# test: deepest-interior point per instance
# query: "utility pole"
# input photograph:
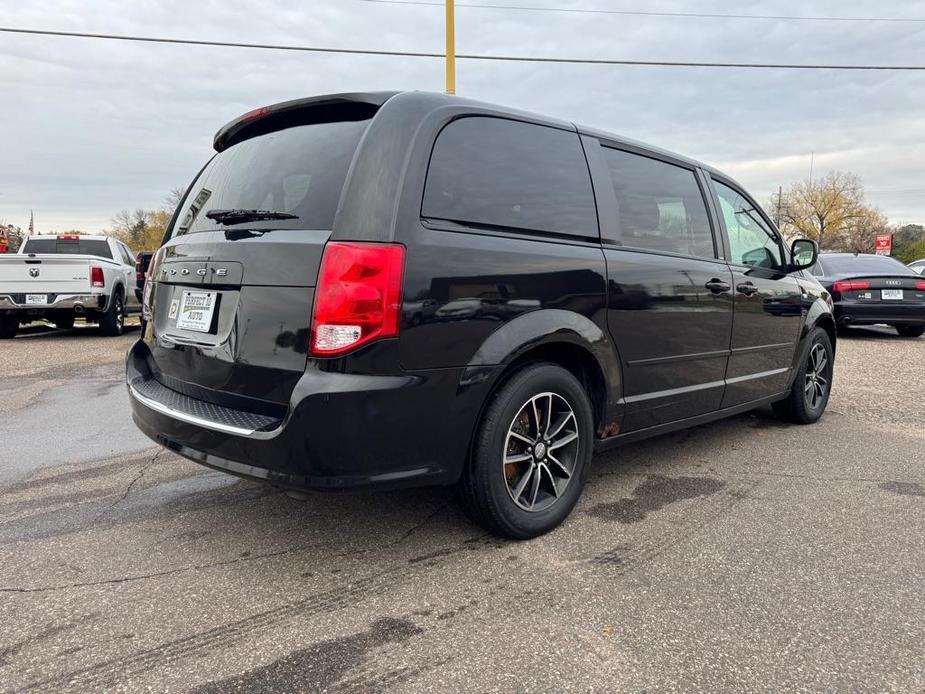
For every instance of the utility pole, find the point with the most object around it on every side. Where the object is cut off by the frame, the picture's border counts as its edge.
(450, 48)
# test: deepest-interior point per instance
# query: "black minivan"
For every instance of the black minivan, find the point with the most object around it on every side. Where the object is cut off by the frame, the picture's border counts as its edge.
(399, 289)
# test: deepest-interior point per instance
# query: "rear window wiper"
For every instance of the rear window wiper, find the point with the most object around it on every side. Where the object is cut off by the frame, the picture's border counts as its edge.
(240, 216)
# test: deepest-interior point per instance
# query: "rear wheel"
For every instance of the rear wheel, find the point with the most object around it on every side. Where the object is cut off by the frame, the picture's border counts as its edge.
(113, 321)
(9, 326)
(531, 454)
(812, 385)
(910, 330)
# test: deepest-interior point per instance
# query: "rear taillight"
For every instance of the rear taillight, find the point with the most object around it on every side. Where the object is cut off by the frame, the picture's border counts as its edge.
(148, 288)
(358, 296)
(96, 277)
(843, 286)
(920, 286)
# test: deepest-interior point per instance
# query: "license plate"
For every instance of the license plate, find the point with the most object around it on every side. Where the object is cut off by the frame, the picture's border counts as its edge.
(36, 298)
(891, 294)
(196, 309)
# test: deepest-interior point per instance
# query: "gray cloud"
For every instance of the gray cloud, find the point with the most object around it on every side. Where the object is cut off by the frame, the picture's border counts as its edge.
(89, 127)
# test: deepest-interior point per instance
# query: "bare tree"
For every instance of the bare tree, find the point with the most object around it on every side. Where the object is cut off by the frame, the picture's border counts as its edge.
(830, 210)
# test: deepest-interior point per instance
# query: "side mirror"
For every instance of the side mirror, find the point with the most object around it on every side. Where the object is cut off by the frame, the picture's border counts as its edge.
(803, 254)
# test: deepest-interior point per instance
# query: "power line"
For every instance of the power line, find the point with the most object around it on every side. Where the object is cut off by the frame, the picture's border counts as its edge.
(651, 13)
(461, 56)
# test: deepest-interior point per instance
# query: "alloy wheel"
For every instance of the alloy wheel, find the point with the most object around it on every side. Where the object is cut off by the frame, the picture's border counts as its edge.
(817, 376)
(540, 451)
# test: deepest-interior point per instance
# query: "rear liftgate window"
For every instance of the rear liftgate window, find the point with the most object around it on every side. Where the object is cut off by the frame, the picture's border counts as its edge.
(505, 174)
(299, 171)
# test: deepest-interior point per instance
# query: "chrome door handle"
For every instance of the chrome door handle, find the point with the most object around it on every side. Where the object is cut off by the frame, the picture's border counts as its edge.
(746, 288)
(717, 286)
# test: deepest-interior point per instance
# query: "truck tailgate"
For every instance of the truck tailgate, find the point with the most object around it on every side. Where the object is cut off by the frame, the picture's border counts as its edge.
(44, 273)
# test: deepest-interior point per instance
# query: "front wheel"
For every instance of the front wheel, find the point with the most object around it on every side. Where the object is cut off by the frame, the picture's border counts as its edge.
(910, 330)
(531, 454)
(812, 384)
(113, 321)
(9, 326)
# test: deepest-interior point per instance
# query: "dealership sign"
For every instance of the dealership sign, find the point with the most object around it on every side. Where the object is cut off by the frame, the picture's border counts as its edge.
(884, 244)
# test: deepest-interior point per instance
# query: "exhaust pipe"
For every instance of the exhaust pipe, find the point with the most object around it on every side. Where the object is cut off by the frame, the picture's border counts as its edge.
(79, 309)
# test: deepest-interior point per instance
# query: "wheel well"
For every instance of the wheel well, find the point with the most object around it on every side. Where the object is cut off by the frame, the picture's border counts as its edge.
(828, 324)
(576, 360)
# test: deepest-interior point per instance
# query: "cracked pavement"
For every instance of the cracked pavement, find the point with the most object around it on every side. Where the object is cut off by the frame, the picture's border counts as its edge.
(744, 555)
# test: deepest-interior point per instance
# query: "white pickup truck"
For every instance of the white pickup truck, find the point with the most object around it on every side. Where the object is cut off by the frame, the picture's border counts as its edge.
(64, 277)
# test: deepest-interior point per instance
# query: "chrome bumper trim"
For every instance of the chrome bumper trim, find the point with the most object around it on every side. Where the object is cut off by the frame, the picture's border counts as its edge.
(88, 301)
(185, 417)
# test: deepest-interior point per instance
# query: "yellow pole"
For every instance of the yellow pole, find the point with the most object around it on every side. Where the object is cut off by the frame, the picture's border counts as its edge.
(450, 48)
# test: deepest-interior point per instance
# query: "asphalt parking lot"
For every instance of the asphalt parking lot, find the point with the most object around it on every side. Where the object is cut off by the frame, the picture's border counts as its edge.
(744, 555)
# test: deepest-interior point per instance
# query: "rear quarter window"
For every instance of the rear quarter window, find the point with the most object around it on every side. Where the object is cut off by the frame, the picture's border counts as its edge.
(506, 174)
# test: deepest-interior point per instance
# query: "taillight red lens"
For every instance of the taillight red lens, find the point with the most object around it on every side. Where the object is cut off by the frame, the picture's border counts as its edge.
(96, 277)
(148, 288)
(920, 286)
(358, 296)
(850, 286)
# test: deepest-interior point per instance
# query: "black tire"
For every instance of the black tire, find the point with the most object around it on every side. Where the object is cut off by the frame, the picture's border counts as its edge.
(113, 321)
(65, 322)
(489, 484)
(9, 326)
(805, 403)
(910, 330)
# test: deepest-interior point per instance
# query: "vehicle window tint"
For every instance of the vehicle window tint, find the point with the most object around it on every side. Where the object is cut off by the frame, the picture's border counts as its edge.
(502, 173)
(849, 264)
(299, 170)
(95, 247)
(660, 206)
(751, 240)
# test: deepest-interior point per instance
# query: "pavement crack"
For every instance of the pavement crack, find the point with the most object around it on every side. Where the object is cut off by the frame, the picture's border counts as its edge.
(417, 526)
(169, 572)
(131, 485)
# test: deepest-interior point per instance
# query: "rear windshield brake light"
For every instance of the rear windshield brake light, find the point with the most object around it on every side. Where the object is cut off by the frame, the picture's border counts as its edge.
(68, 237)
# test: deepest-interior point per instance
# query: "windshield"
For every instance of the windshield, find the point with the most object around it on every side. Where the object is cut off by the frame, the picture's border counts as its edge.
(95, 247)
(862, 264)
(297, 171)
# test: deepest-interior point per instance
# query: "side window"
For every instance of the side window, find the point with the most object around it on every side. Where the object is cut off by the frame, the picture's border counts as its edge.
(127, 255)
(660, 205)
(508, 174)
(751, 240)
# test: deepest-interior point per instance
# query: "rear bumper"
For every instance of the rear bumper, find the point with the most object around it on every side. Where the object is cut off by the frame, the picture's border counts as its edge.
(339, 432)
(848, 313)
(58, 302)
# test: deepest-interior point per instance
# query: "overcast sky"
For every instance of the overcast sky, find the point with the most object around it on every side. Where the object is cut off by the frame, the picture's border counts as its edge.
(88, 127)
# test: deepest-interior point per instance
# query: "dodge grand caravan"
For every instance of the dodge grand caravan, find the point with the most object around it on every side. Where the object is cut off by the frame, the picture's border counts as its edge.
(399, 289)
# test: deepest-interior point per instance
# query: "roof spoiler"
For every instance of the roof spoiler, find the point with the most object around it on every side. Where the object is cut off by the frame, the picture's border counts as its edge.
(317, 109)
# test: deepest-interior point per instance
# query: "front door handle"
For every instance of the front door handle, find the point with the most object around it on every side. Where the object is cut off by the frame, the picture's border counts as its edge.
(717, 286)
(746, 288)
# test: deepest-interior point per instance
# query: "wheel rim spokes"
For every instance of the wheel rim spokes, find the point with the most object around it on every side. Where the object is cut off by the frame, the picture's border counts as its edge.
(817, 376)
(540, 451)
